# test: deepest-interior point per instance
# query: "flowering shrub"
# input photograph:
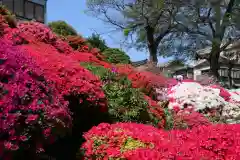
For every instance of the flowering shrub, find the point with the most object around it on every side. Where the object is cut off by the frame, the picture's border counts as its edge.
(146, 81)
(79, 87)
(37, 32)
(80, 44)
(206, 99)
(187, 118)
(156, 112)
(188, 93)
(77, 43)
(131, 141)
(70, 77)
(32, 110)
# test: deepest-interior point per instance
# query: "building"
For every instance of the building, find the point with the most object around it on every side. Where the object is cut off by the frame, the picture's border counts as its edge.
(174, 68)
(139, 63)
(145, 65)
(202, 66)
(27, 9)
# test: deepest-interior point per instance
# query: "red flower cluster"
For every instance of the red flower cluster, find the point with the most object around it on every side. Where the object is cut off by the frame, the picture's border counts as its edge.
(157, 111)
(40, 82)
(188, 118)
(29, 32)
(30, 104)
(132, 141)
(70, 77)
(145, 80)
(223, 93)
(78, 43)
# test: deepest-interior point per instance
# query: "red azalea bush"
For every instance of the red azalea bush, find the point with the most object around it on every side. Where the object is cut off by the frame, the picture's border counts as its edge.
(132, 141)
(188, 118)
(32, 110)
(147, 81)
(33, 31)
(77, 43)
(79, 87)
(89, 57)
(156, 111)
(71, 78)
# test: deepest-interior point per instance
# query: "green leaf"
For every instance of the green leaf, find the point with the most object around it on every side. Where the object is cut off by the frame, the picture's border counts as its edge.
(126, 32)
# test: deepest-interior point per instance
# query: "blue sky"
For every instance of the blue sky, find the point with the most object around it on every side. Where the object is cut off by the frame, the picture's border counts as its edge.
(72, 11)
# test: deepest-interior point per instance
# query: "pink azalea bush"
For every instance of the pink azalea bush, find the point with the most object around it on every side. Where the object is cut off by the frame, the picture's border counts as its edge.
(132, 141)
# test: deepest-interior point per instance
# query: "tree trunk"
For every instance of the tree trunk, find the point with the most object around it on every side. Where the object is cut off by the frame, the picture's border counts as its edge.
(152, 47)
(214, 60)
(230, 66)
(153, 54)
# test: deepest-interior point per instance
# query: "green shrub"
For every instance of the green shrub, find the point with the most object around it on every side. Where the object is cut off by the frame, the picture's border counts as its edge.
(115, 55)
(125, 104)
(96, 41)
(61, 28)
(8, 16)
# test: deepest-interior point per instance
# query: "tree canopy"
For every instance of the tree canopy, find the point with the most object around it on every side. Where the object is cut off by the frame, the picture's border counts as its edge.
(62, 28)
(173, 28)
(145, 22)
(97, 42)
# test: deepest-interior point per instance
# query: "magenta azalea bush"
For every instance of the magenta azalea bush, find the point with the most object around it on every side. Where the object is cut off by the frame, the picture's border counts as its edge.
(32, 110)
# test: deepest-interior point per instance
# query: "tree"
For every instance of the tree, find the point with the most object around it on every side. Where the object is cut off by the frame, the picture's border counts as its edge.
(148, 20)
(62, 28)
(115, 56)
(97, 42)
(211, 23)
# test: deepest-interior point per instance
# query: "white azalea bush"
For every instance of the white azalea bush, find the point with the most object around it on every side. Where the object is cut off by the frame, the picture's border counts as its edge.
(200, 98)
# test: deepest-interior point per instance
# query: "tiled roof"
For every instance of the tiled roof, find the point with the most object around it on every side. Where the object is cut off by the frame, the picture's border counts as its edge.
(139, 63)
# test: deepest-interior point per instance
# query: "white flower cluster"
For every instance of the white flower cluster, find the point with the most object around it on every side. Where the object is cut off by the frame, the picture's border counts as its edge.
(201, 97)
(196, 95)
(231, 112)
(235, 95)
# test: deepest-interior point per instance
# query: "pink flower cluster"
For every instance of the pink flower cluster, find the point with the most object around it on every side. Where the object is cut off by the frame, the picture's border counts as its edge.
(30, 104)
(132, 141)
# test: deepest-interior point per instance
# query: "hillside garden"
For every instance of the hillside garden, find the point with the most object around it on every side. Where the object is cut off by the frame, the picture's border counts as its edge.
(61, 98)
